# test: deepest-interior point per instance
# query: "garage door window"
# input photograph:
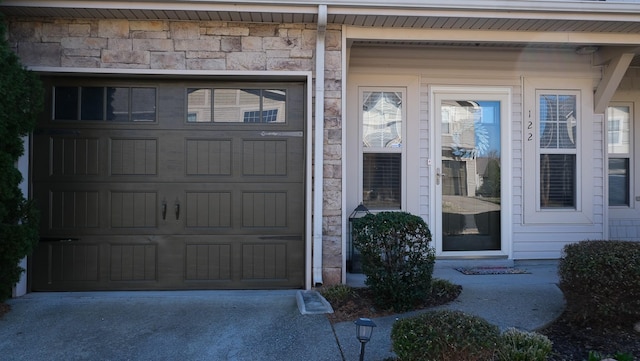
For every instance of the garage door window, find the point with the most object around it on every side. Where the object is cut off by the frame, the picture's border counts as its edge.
(116, 104)
(208, 105)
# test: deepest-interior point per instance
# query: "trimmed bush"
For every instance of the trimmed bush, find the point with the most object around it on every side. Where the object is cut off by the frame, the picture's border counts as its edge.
(396, 258)
(601, 282)
(517, 345)
(444, 335)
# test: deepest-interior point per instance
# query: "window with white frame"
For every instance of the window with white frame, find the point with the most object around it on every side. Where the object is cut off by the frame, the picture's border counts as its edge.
(382, 122)
(619, 124)
(559, 169)
(557, 139)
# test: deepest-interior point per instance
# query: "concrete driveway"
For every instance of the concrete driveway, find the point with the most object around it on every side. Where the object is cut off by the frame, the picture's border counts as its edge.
(194, 325)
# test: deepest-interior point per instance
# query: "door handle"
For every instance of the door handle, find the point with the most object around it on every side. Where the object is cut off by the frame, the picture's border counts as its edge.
(438, 176)
(164, 210)
(177, 209)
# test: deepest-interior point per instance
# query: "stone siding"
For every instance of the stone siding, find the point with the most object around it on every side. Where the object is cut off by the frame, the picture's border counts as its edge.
(203, 45)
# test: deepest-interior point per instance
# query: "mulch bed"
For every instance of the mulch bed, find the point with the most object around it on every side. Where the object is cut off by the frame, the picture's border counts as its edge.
(570, 343)
(362, 305)
(574, 342)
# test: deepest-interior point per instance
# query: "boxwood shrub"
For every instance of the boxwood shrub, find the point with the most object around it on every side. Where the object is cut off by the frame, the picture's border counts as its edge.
(601, 282)
(396, 258)
(444, 335)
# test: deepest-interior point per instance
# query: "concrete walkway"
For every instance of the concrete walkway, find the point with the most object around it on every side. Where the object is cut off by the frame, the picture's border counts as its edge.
(243, 325)
(525, 301)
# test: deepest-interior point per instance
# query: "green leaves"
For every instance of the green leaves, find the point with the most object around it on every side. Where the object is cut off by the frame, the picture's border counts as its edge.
(601, 282)
(21, 99)
(444, 335)
(396, 257)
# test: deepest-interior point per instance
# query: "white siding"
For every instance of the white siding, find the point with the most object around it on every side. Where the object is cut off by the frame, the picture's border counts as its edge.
(624, 223)
(497, 68)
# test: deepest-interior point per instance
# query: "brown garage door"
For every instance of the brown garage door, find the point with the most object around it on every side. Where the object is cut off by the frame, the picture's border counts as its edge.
(170, 185)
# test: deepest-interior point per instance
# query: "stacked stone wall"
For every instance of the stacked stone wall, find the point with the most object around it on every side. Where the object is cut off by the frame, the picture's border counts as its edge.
(205, 46)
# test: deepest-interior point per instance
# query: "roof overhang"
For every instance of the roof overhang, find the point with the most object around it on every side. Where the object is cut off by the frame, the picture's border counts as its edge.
(612, 27)
(532, 21)
(592, 16)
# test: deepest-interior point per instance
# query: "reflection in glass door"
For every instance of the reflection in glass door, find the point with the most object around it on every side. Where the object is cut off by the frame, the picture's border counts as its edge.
(469, 175)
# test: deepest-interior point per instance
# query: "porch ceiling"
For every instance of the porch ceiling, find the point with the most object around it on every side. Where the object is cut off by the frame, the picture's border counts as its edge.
(489, 45)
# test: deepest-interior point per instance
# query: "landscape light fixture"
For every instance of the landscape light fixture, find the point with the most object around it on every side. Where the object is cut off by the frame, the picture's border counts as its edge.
(353, 256)
(364, 328)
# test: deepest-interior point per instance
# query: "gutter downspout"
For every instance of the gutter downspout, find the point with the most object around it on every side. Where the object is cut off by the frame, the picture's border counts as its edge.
(318, 159)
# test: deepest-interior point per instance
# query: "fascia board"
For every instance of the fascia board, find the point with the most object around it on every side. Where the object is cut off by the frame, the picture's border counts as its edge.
(551, 37)
(577, 10)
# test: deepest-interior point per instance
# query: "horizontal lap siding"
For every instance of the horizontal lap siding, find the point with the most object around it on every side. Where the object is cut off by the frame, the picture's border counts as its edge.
(497, 68)
(624, 223)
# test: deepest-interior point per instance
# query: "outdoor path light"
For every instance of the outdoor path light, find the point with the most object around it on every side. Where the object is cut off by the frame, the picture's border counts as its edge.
(353, 256)
(364, 328)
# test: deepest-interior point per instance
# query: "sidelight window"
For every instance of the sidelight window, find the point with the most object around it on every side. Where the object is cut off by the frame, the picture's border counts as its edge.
(558, 128)
(382, 123)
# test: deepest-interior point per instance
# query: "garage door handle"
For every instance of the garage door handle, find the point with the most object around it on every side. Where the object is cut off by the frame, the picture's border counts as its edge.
(58, 239)
(164, 210)
(177, 211)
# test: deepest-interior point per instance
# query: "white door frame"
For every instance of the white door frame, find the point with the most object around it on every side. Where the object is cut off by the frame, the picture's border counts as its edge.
(504, 95)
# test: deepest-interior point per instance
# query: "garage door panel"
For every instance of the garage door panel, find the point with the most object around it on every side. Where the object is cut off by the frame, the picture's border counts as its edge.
(133, 262)
(74, 156)
(73, 209)
(208, 210)
(264, 209)
(264, 157)
(264, 261)
(134, 209)
(67, 262)
(134, 156)
(208, 262)
(208, 157)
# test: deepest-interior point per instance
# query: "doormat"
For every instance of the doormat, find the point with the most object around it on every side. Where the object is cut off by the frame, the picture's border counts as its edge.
(491, 270)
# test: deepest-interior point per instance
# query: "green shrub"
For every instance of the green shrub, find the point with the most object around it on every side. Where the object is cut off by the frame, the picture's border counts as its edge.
(21, 98)
(442, 289)
(444, 335)
(601, 282)
(516, 345)
(396, 258)
(337, 293)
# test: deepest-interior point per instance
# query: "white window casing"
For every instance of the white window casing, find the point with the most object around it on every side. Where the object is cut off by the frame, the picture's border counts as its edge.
(578, 143)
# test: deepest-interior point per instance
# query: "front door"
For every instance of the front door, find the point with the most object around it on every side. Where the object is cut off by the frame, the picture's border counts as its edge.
(468, 177)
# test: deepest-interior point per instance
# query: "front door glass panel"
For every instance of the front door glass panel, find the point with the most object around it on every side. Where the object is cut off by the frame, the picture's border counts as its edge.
(470, 175)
